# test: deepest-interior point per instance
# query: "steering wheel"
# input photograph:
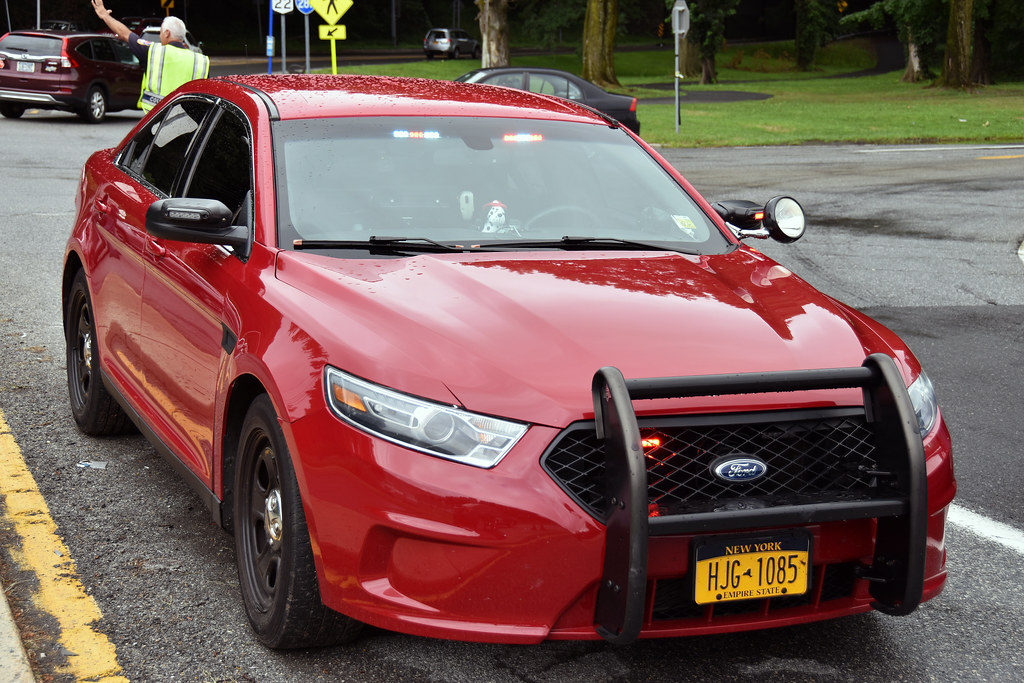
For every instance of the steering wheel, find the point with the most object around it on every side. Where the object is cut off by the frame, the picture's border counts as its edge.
(561, 208)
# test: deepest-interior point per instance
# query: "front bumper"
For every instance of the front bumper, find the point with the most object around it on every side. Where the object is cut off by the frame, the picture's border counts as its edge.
(415, 544)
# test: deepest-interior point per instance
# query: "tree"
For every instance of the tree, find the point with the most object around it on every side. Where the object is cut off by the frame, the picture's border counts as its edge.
(956, 66)
(707, 31)
(815, 23)
(493, 19)
(599, 27)
(919, 25)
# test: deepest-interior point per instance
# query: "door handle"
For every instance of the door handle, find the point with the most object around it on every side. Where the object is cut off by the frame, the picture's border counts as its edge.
(103, 205)
(156, 249)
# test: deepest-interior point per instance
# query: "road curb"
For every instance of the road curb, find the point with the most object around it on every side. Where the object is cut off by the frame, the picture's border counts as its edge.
(16, 668)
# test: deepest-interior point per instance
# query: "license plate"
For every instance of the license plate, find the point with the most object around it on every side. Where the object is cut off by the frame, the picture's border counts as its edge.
(728, 568)
(27, 67)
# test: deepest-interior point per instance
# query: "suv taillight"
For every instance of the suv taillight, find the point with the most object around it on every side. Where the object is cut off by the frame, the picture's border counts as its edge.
(65, 58)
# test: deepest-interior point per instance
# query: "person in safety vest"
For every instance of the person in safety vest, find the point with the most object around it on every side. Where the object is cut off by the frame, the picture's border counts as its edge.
(169, 63)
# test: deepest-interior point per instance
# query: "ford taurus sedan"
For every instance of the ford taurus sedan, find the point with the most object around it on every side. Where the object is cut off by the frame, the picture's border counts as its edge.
(543, 392)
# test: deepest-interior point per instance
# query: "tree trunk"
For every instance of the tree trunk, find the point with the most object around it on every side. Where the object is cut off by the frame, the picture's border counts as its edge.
(599, 28)
(493, 20)
(912, 74)
(956, 67)
(708, 76)
(689, 59)
(981, 67)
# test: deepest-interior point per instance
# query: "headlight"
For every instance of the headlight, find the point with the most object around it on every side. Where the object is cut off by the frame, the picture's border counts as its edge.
(922, 394)
(433, 428)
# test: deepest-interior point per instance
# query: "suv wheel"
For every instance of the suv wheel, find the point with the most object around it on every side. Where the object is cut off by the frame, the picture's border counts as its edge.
(12, 111)
(95, 105)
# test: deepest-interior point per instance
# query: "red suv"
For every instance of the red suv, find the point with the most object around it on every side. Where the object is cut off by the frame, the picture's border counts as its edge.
(89, 74)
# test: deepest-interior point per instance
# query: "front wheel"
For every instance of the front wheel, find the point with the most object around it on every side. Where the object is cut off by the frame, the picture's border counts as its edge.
(275, 560)
(95, 105)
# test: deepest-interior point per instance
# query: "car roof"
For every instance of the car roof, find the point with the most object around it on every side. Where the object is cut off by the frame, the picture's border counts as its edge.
(303, 96)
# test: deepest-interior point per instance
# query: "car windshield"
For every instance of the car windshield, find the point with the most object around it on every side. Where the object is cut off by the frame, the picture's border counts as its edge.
(484, 181)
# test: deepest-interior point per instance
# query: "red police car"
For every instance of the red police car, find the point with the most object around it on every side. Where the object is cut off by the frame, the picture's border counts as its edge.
(475, 363)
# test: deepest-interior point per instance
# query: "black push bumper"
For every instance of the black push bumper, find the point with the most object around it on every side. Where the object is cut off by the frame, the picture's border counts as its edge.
(897, 571)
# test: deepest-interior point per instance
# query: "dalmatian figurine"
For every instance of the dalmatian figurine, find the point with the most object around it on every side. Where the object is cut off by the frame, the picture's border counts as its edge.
(495, 217)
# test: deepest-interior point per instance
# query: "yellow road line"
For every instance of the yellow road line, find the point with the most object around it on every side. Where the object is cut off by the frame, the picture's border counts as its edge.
(60, 593)
(1006, 156)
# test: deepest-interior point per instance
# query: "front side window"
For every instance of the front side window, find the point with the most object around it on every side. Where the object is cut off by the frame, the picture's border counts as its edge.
(223, 170)
(124, 53)
(477, 180)
(157, 152)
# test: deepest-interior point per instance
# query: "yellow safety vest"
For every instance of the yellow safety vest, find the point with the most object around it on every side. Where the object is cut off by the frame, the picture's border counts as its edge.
(168, 67)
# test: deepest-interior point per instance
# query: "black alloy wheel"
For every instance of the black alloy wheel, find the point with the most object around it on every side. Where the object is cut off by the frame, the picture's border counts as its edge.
(94, 409)
(276, 569)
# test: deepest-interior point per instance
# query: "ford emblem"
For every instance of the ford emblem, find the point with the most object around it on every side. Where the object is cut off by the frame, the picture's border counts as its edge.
(739, 468)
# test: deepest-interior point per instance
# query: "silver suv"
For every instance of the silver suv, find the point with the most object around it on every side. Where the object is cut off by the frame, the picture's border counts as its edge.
(450, 42)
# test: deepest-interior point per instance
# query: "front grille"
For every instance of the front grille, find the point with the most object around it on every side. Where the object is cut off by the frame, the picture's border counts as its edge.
(818, 456)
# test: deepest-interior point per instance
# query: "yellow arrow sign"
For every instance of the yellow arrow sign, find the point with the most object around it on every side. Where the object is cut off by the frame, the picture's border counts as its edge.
(331, 10)
(328, 32)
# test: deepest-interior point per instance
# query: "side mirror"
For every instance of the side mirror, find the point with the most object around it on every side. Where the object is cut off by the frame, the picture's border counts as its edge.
(202, 221)
(782, 218)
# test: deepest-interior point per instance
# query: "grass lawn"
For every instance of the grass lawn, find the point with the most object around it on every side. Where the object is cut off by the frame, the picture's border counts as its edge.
(824, 105)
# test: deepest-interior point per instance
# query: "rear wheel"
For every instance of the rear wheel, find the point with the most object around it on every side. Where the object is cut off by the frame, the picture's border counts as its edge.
(95, 105)
(94, 409)
(272, 548)
(12, 111)
(455, 53)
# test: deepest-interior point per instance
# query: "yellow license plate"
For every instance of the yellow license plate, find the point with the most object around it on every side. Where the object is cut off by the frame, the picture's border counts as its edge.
(730, 568)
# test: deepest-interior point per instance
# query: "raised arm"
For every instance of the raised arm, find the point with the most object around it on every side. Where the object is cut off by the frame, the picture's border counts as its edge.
(113, 24)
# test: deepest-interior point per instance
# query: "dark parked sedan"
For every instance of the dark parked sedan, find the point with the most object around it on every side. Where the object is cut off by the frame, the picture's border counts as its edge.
(562, 84)
(89, 74)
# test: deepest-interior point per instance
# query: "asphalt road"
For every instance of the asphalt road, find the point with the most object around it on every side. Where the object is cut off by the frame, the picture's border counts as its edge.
(926, 239)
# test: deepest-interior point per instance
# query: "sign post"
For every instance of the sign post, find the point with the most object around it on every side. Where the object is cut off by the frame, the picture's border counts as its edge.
(680, 26)
(283, 7)
(306, 9)
(331, 11)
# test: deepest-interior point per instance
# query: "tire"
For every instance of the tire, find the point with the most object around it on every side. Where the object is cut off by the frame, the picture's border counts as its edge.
(272, 548)
(95, 105)
(455, 54)
(94, 409)
(12, 111)
(430, 55)
(477, 52)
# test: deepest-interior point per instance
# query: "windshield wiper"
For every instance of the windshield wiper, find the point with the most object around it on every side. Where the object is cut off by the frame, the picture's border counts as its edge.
(569, 241)
(379, 242)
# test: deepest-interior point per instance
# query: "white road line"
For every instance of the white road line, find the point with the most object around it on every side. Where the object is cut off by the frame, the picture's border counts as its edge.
(1020, 251)
(989, 529)
(943, 148)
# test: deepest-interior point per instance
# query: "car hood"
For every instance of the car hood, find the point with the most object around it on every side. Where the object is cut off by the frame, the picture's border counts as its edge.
(521, 335)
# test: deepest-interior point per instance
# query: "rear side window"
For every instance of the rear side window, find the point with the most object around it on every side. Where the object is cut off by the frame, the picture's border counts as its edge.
(102, 50)
(549, 84)
(157, 152)
(31, 46)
